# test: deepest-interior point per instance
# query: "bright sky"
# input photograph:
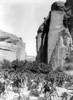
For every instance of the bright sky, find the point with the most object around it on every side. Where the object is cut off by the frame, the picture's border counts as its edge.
(23, 18)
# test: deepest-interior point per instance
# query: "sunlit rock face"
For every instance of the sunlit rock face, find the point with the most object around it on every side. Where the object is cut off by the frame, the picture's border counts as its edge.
(59, 37)
(11, 47)
(54, 41)
(62, 49)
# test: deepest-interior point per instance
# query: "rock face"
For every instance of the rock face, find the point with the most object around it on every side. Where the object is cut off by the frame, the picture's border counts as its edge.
(54, 36)
(11, 47)
(69, 4)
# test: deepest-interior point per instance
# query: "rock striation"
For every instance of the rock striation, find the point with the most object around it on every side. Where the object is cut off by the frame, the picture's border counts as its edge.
(11, 47)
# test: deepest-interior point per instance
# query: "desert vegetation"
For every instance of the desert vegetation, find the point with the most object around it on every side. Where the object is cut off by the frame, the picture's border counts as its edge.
(21, 74)
(18, 70)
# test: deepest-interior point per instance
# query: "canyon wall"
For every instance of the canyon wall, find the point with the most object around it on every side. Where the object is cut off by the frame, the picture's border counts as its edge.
(54, 38)
(11, 47)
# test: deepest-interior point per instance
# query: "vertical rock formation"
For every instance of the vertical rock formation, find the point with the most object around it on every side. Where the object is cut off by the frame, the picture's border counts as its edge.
(41, 40)
(56, 26)
(55, 33)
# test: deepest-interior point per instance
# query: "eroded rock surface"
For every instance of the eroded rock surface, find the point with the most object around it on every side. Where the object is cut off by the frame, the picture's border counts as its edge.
(11, 47)
(54, 41)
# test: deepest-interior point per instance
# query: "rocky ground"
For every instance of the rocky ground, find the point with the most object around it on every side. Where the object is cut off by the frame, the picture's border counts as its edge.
(16, 83)
(33, 87)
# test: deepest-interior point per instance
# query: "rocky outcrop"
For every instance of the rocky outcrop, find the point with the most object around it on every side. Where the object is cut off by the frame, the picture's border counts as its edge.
(11, 47)
(54, 36)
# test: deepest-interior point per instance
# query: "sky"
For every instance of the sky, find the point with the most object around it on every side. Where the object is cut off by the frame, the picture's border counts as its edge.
(23, 18)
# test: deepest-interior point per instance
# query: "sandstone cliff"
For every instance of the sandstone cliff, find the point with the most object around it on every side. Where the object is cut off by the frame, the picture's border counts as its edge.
(11, 47)
(54, 40)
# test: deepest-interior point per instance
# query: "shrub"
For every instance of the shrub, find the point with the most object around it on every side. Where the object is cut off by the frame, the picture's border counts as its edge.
(2, 87)
(50, 77)
(59, 78)
(17, 82)
(68, 68)
(35, 68)
(17, 69)
(64, 95)
(44, 68)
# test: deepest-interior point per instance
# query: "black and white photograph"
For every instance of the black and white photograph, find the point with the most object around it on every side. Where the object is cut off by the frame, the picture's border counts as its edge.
(36, 49)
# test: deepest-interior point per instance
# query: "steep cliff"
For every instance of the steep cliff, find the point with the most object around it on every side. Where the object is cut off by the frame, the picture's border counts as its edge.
(54, 36)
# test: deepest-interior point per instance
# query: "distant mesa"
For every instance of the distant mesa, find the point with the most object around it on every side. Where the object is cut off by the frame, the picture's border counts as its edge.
(31, 58)
(11, 47)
